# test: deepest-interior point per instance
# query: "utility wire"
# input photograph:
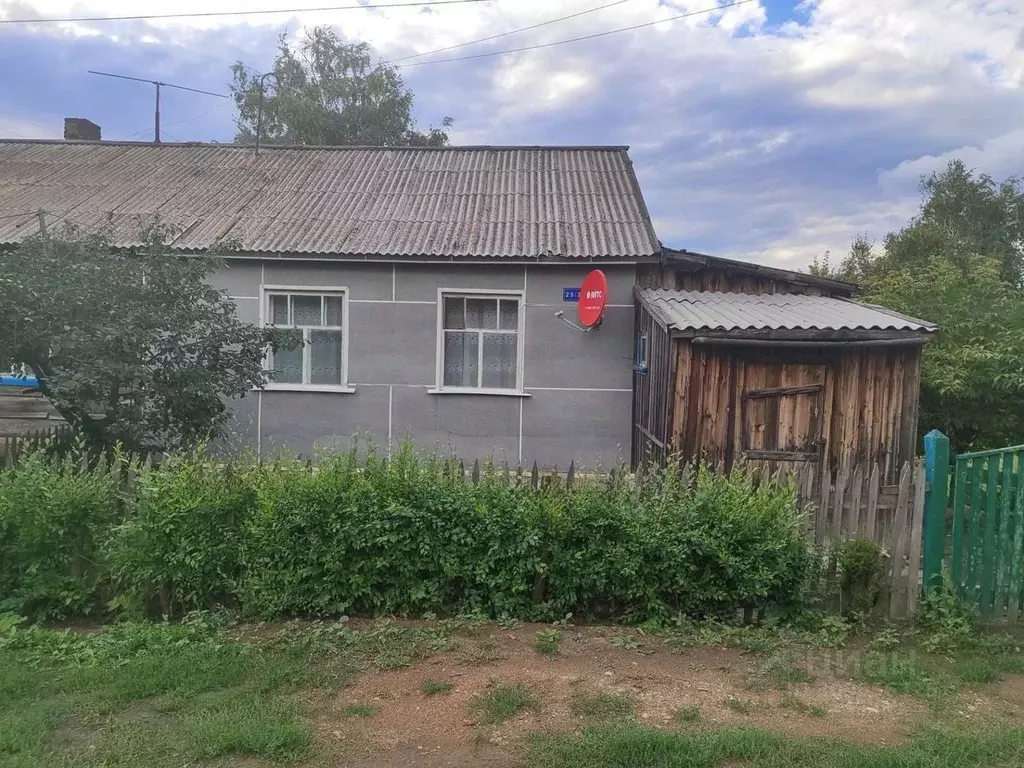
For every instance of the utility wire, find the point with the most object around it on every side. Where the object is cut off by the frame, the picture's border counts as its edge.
(510, 32)
(208, 14)
(575, 39)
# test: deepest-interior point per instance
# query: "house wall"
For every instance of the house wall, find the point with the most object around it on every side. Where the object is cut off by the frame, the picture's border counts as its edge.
(578, 385)
(866, 410)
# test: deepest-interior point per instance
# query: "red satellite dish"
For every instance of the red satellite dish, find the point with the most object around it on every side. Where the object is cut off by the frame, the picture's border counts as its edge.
(593, 297)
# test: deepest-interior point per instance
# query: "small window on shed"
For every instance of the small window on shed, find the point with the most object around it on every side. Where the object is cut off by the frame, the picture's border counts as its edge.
(640, 357)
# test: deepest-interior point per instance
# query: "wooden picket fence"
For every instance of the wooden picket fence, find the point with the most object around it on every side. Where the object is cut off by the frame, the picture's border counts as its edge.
(984, 541)
(856, 503)
(15, 447)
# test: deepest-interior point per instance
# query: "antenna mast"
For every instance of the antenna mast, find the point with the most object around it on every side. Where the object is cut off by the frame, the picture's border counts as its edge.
(158, 84)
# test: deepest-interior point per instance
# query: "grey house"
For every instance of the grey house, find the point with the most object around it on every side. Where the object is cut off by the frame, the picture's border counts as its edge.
(425, 282)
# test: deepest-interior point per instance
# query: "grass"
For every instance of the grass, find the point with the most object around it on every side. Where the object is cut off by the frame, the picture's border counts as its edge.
(793, 702)
(741, 706)
(620, 746)
(359, 710)
(167, 710)
(686, 715)
(501, 702)
(603, 706)
(778, 673)
(902, 672)
(431, 687)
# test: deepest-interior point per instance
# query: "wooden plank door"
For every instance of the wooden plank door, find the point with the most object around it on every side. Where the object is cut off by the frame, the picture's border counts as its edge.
(783, 412)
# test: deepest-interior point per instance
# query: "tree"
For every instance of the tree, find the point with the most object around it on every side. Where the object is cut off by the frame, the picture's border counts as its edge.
(960, 264)
(329, 92)
(132, 346)
(855, 268)
(972, 378)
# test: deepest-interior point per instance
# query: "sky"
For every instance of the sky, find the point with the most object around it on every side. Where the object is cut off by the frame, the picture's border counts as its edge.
(770, 131)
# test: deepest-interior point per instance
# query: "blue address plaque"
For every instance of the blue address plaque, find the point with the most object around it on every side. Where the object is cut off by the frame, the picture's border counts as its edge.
(570, 294)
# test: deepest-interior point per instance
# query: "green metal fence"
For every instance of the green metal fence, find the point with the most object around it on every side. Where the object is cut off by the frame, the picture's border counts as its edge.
(985, 546)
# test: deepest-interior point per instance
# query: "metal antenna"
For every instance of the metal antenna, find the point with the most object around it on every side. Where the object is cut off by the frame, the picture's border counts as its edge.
(259, 109)
(158, 84)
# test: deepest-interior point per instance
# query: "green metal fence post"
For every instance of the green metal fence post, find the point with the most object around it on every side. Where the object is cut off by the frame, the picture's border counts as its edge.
(936, 464)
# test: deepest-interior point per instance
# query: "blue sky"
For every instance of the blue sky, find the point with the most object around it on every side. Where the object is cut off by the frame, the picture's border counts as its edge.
(771, 131)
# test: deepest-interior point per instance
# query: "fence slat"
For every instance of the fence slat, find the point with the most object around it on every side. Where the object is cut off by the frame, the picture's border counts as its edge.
(974, 544)
(959, 495)
(1017, 557)
(871, 519)
(898, 548)
(916, 531)
(1004, 540)
(990, 534)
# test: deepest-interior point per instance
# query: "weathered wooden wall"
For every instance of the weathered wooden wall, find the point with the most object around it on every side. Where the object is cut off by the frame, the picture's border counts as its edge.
(651, 403)
(722, 280)
(851, 405)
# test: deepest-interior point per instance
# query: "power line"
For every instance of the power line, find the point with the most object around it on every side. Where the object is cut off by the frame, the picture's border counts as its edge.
(510, 32)
(208, 14)
(158, 83)
(576, 39)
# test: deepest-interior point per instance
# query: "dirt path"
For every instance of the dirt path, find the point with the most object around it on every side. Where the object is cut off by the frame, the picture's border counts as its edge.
(409, 728)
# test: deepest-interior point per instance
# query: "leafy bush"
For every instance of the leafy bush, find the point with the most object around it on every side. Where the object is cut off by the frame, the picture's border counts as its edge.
(399, 536)
(180, 550)
(861, 574)
(54, 518)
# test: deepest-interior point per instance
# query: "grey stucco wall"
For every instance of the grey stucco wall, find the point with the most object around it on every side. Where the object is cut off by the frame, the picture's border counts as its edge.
(577, 384)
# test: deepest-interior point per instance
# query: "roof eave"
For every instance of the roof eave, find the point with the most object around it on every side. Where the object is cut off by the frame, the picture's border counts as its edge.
(698, 260)
(822, 335)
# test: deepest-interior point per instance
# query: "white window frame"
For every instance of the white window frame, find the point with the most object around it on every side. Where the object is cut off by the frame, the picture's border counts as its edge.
(439, 387)
(266, 291)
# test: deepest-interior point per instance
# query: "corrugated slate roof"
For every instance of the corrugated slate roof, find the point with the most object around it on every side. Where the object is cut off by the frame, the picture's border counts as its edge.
(700, 310)
(571, 202)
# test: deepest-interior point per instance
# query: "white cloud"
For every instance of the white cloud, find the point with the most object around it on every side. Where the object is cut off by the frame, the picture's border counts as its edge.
(750, 138)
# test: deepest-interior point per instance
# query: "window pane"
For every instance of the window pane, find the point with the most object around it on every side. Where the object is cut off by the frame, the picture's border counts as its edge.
(279, 310)
(333, 306)
(461, 360)
(454, 312)
(306, 310)
(509, 320)
(288, 363)
(500, 352)
(482, 313)
(325, 349)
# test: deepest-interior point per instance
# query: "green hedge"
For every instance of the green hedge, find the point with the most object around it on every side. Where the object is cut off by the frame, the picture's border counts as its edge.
(403, 536)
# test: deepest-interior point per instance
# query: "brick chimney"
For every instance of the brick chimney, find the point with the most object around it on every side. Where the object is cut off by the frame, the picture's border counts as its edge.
(81, 129)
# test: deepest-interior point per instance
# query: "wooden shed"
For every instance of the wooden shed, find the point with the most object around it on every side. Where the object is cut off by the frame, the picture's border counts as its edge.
(737, 361)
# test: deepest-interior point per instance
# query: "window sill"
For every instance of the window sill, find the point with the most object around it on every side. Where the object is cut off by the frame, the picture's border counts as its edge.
(336, 389)
(477, 391)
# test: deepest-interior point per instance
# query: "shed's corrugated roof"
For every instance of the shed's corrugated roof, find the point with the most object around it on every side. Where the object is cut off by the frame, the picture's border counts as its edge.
(572, 202)
(701, 310)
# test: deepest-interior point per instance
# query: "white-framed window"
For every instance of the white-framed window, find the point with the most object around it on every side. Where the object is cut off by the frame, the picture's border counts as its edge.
(480, 342)
(318, 319)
